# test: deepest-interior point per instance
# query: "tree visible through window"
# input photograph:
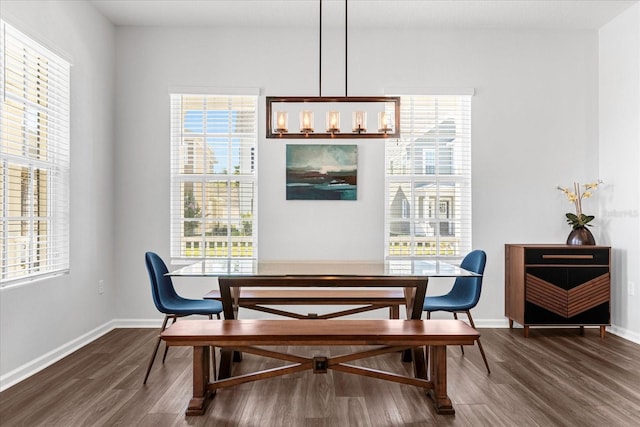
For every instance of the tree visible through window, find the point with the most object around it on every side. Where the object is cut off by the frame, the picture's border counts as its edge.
(428, 179)
(34, 157)
(213, 177)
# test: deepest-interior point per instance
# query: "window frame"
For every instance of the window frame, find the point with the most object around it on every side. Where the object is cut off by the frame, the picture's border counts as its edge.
(424, 171)
(35, 139)
(237, 179)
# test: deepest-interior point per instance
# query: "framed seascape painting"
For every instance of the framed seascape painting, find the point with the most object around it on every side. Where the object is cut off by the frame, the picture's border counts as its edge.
(322, 172)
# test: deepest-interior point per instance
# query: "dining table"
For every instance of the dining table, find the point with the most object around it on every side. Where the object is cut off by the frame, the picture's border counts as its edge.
(409, 275)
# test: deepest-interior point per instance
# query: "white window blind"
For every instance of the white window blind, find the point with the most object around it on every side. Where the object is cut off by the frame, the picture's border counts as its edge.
(428, 179)
(34, 151)
(213, 178)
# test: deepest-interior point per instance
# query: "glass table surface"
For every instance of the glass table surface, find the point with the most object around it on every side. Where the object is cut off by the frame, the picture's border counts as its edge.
(392, 268)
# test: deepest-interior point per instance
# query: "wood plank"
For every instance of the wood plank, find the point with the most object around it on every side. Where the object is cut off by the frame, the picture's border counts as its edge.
(250, 296)
(228, 333)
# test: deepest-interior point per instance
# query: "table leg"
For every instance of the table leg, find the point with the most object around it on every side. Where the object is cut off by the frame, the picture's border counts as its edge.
(414, 302)
(201, 396)
(229, 296)
(226, 298)
(394, 312)
(438, 376)
(226, 360)
(414, 299)
(419, 363)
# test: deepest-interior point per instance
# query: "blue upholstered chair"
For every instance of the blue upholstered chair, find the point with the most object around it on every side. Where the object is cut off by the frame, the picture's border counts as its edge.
(167, 301)
(464, 295)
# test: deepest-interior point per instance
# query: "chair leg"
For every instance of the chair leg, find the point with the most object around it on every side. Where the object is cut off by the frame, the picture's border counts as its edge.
(155, 351)
(166, 347)
(479, 343)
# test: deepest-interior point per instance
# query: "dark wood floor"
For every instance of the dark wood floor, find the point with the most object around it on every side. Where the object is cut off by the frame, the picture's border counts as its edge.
(554, 378)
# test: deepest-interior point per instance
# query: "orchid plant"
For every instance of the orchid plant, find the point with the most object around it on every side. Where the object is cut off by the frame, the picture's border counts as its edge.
(579, 219)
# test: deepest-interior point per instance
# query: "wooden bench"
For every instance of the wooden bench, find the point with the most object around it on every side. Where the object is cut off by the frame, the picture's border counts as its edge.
(386, 335)
(367, 299)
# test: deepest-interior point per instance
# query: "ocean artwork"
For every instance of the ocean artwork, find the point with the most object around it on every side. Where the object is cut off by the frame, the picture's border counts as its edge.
(322, 172)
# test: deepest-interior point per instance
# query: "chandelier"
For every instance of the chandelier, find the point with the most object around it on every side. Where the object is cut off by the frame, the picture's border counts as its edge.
(382, 111)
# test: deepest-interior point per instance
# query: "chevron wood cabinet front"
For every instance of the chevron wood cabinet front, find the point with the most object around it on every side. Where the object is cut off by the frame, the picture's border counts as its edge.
(558, 285)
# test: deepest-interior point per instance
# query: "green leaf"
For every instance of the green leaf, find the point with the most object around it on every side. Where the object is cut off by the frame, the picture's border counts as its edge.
(585, 219)
(580, 221)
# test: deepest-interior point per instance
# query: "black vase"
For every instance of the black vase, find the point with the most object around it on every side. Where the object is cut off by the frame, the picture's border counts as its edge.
(580, 236)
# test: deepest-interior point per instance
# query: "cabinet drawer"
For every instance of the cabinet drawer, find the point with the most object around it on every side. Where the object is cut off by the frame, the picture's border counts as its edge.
(567, 256)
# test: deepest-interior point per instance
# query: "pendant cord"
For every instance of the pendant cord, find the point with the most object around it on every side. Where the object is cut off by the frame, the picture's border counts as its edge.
(346, 56)
(345, 49)
(320, 54)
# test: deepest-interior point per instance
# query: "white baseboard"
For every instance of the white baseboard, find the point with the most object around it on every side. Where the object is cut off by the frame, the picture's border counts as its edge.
(36, 365)
(487, 323)
(504, 323)
(137, 323)
(30, 368)
(624, 333)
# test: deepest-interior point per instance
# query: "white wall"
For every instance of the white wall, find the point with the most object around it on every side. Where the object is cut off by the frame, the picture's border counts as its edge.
(619, 119)
(535, 118)
(43, 320)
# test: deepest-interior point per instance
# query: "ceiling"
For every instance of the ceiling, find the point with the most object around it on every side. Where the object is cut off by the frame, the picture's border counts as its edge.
(437, 14)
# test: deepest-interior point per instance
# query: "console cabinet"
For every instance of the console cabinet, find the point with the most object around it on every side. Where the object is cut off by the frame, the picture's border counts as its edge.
(558, 285)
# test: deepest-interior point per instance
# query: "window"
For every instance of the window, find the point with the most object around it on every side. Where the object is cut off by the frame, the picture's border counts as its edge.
(213, 177)
(428, 179)
(34, 152)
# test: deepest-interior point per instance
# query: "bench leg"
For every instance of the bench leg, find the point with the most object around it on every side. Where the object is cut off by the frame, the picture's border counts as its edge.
(438, 376)
(201, 396)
